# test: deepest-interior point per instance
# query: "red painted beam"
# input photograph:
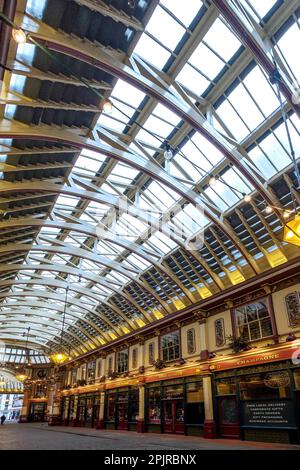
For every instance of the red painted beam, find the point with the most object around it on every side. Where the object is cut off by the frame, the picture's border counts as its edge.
(9, 10)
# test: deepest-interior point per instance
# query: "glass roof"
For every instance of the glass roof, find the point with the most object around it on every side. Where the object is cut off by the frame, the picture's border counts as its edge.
(137, 271)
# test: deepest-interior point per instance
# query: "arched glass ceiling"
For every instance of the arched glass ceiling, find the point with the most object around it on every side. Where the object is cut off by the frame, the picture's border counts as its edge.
(122, 283)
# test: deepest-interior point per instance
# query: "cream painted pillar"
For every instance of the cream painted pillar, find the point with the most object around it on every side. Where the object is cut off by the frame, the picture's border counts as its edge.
(203, 340)
(100, 421)
(209, 423)
(141, 354)
(26, 404)
(141, 417)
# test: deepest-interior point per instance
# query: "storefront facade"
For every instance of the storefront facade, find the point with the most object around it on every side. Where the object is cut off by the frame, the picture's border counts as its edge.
(175, 406)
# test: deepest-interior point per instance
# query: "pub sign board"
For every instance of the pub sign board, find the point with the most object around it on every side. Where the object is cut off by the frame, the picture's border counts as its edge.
(273, 414)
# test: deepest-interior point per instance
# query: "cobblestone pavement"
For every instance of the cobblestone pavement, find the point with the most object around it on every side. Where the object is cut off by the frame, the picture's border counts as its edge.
(39, 436)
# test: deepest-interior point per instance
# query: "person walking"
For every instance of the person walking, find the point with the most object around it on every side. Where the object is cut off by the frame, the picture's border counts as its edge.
(3, 418)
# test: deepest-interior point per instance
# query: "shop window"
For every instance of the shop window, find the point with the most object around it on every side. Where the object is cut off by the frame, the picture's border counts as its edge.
(174, 391)
(253, 321)
(194, 413)
(170, 346)
(133, 408)
(292, 302)
(220, 332)
(111, 407)
(134, 358)
(267, 385)
(151, 353)
(91, 367)
(226, 386)
(191, 343)
(297, 379)
(154, 405)
(122, 361)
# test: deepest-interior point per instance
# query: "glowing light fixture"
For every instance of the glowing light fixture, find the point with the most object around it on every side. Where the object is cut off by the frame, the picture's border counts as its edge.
(269, 209)
(168, 154)
(21, 376)
(108, 107)
(60, 357)
(291, 231)
(212, 181)
(19, 36)
(247, 198)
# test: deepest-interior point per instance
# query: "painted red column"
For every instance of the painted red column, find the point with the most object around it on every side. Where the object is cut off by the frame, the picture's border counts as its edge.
(100, 422)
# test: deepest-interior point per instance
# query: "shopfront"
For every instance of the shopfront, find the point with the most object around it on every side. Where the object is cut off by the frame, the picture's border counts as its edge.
(122, 408)
(37, 412)
(81, 410)
(175, 406)
(259, 403)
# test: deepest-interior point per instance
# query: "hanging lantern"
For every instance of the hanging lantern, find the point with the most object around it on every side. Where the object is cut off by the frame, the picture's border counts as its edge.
(22, 375)
(59, 358)
(291, 231)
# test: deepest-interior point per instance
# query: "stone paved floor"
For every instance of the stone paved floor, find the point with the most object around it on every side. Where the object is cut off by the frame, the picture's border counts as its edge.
(39, 436)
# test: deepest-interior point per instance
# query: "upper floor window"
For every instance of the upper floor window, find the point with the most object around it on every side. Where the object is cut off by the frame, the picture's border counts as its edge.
(191, 343)
(253, 321)
(99, 368)
(91, 368)
(151, 352)
(73, 376)
(170, 348)
(134, 358)
(220, 332)
(122, 361)
(292, 302)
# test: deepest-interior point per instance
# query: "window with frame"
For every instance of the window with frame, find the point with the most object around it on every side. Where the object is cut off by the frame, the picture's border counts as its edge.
(134, 358)
(292, 302)
(170, 346)
(253, 321)
(122, 361)
(151, 353)
(191, 341)
(99, 368)
(220, 332)
(91, 367)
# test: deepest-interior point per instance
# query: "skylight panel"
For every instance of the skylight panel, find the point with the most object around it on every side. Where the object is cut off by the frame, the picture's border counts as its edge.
(184, 11)
(222, 40)
(246, 107)
(275, 152)
(111, 122)
(163, 27)
(151, 51)
(128, 93)
(206, 61)
(161, 242)
(165, 114)
(232, 120)
(67, 200)
(193, 80)
(214, 195)
(213, 155)
(158, 127)
(287, 46)
(261, 7)
(162, 197)
(261, 90)
(262, 162)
